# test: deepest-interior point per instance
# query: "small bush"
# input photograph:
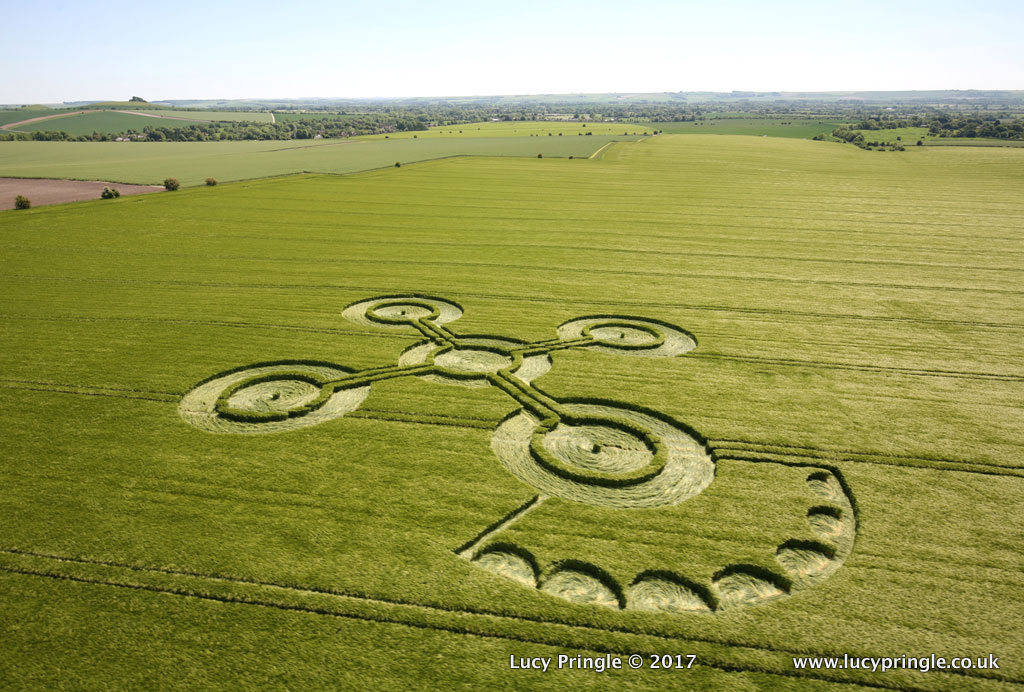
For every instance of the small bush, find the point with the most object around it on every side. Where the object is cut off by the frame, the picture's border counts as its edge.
(171, 184)
(398, 164)
(110, 193)
(540, 156)
(21, 202)
(211, 181)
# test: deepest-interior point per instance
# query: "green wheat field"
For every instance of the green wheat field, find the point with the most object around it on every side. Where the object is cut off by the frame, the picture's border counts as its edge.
(847, 377)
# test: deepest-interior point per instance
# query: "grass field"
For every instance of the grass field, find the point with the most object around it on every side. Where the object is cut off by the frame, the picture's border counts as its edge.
(193, 162)
(232, 116)
(526, 128)
(909, 136)
(800, 128)
(104, 122)
(857, 380)
(114, 122)
(19, 114)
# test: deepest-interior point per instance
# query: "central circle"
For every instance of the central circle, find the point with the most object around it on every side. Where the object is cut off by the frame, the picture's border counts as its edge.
(591, 453)
(598, 448)
(623, 334)
(402, 311)
(279, 395)
(472, 360)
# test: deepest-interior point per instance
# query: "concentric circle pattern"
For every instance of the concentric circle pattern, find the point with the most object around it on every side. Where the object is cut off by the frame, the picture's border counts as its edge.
(688, 467)
(597, 448)
(198, 407)
(399, 311)
(629, 336)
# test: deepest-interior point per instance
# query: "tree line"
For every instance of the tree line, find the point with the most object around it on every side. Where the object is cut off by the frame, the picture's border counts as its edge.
(995, 125)
(329, 126)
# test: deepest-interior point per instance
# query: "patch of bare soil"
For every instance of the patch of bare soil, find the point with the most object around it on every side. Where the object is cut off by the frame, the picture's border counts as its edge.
(42, 191)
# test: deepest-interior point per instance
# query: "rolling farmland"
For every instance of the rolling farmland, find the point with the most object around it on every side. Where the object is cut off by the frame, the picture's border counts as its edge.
(800, 128)
(17, 115)
(909, 136)
(84, 121)
(525, 128)
(97, 121)
(786, 375)
(192, 162)
(208, 115)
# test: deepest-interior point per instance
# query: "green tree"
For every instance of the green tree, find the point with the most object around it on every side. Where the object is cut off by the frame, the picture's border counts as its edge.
(21, 202)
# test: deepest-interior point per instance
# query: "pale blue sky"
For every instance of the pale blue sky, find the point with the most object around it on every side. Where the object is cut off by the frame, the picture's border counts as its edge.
(52, 51)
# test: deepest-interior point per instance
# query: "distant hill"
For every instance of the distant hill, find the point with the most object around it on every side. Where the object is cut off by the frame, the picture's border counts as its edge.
(937, 97)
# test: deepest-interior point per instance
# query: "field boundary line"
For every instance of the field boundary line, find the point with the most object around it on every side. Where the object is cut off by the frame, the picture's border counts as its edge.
(134, 390)
(384, 243)
(918, 372)
(430, 616)
(735, 450)
(525, 298)
(594, 155)
(292, 174)
(380, 619)
(831, 230)
(340, 331)
(80, 391)
(164, 398)
(774, 458)
(11, 126)
(829, 452)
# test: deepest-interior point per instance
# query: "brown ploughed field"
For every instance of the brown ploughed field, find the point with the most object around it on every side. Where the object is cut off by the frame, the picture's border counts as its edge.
(42, 191)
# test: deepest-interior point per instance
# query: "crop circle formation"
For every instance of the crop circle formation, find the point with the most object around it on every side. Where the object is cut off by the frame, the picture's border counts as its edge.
(280, 393)
(642, 337)
(475, 358)
(601, 453)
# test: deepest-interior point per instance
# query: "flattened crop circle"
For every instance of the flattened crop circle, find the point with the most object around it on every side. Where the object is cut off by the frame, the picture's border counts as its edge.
(275, 396)
(473, 359)
(400, 311)
(274, 392)
(597, 448)
(599, 451)
(629, 335)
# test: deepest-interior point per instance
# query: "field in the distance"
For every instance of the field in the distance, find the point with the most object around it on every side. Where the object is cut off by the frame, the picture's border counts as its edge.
(193, 162)
(525, 128)
(858, 328)
(104, 122)
(110, 121)
(909, 136)
(800, 128)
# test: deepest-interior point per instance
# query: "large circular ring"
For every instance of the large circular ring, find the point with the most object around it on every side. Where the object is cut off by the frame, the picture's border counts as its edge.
(268, 398)
(401, 311)
(605, 455)
(629, 335)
